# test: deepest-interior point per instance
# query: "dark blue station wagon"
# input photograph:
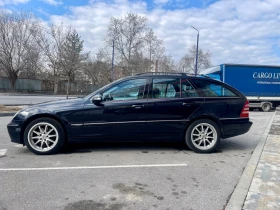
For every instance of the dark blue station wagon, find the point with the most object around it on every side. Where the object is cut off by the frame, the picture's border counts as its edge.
(150, 106)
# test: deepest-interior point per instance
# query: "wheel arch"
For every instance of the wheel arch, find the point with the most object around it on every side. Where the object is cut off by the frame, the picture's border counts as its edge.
(215, 120)
(37, 116)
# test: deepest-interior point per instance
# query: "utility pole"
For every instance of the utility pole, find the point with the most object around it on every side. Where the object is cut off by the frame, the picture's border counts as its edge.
(113, 56)
(196, 60)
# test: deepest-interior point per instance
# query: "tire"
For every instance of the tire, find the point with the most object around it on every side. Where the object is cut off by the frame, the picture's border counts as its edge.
(44, 136)
(266, 107)
(203, 136)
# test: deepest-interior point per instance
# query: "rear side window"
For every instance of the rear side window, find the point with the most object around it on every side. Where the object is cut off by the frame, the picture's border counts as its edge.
(212, 89)
(165, 88)
(188, 90)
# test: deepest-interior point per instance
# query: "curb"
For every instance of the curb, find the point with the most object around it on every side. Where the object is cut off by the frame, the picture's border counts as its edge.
(46, 95)
(6, 114)
(240, 192)
(17, 104)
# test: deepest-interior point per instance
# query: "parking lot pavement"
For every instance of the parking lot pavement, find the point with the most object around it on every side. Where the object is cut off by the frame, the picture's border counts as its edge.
(125, 176)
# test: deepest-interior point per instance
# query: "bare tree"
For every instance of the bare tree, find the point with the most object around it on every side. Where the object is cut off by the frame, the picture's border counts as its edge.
(34, 63)
(51, 40)
(98, 68)
(165, 64)
(187, 63)
(128, 34)
(18, 33)
(153, 48)
(71, 55)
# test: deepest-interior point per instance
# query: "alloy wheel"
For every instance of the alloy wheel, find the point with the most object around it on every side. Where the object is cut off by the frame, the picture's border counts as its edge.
(204, 136)
(43, 137)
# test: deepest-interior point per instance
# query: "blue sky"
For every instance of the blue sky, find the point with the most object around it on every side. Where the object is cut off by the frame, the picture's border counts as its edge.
(234, 31)
(45, 8)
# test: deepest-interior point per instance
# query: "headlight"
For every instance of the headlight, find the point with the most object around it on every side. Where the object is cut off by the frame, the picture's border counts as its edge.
(24, 113)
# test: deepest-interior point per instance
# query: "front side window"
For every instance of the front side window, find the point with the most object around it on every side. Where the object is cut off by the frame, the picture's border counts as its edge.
(213, 89)
(165, 88)
(128, 90)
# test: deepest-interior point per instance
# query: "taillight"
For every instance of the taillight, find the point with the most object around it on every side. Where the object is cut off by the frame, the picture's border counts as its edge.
(245, 110)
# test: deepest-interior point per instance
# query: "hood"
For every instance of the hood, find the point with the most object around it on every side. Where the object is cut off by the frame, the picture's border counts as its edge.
(52, 107)
(57, 105)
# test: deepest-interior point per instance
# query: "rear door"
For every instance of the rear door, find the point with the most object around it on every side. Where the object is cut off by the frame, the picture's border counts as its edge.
(220, 101)
(223, 103)
(169, 106)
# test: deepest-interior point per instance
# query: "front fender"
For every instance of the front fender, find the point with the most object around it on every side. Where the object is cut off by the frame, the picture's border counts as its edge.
(66, 117)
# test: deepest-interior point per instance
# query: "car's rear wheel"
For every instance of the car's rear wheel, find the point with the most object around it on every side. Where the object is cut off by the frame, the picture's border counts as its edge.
(203, 136)
(44, 136)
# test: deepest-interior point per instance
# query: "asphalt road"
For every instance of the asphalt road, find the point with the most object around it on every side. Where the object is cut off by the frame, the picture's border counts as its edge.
(138, 177)
(27, 100)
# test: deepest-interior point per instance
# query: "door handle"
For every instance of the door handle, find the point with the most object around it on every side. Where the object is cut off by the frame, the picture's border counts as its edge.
(137, 106)
(187, 104)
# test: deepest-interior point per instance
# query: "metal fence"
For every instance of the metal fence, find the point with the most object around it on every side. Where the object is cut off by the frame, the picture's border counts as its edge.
(45, 86)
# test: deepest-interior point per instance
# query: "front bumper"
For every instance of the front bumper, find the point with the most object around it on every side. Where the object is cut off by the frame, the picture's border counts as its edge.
(236, 127)
(14, 130)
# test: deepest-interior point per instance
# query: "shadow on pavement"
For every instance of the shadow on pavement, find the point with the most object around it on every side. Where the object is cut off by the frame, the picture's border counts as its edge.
(123, 146)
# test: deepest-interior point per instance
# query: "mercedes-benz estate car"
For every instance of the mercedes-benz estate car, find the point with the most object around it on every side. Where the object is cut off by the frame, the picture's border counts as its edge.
(196, 110)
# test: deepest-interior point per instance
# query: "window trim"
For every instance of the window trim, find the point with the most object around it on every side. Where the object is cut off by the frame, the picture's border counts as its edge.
(129, 79)
(202, 93)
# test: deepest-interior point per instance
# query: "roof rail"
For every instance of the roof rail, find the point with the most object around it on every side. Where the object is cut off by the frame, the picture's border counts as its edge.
(173, 73)
(163, 73)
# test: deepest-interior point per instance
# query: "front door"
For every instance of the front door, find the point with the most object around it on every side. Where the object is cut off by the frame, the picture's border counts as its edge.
(121, 114)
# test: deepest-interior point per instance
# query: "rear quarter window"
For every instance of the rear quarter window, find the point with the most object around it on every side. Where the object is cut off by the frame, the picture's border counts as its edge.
(212, 89)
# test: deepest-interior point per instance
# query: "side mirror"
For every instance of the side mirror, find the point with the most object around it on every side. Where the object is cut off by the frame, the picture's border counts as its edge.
(96, 99)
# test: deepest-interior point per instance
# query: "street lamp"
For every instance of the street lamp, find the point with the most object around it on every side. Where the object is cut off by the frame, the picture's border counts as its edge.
(196, 50)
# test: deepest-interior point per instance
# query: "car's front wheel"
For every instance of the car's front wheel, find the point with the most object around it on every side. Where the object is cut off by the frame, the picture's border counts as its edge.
(44, 136)
(203, 136)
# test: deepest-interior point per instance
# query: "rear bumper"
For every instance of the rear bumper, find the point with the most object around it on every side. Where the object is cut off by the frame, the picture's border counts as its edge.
(14, 129)
(235, 127)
